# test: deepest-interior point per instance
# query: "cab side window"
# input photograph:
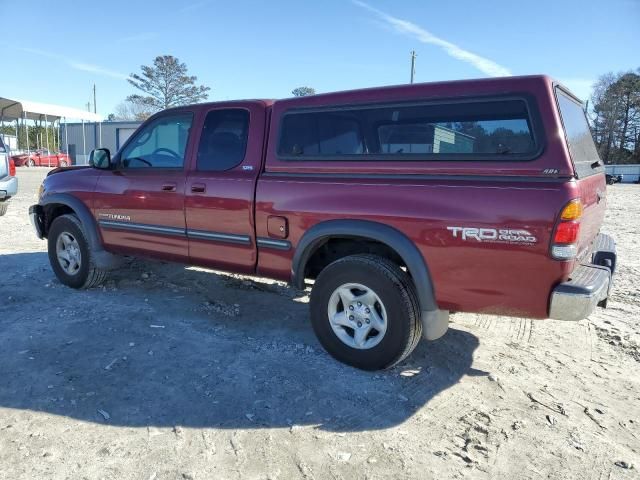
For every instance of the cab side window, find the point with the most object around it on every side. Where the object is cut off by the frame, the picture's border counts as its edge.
(223, 142)
(161, 144)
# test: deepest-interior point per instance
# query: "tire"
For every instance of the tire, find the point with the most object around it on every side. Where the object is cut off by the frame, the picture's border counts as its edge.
(30, 163)
(3, 208)
(397, 301)
(63, 163)
(87, 275)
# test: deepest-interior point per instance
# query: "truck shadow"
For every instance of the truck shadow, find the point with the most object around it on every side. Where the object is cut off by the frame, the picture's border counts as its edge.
(162, 346)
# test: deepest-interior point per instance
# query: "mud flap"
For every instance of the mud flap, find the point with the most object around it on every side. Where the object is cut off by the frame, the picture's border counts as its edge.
(435, 324)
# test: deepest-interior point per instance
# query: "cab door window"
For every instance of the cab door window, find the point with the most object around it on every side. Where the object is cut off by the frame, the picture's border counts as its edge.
(223, 142)
(161, 144)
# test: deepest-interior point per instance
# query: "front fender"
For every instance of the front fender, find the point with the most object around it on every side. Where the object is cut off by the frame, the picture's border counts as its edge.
(81, 210)
(101, 257)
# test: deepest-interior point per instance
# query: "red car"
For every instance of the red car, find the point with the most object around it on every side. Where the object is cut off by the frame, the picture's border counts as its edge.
(42, 158)
(396, 205)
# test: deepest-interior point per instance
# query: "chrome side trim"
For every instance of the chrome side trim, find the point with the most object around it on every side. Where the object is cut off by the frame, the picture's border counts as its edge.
(195, 234)
(276, 244)
(219, 237)
(140, 227)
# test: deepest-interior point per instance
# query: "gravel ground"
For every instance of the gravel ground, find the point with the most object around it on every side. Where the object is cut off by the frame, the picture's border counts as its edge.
(172, 372)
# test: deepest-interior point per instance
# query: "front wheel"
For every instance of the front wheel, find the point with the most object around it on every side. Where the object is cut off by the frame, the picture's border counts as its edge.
(63, 163)
(365, 312)
(31, 163)
(70, 254)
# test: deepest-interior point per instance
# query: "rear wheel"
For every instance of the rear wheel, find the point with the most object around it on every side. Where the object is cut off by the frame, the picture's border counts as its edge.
(70, 254)
(3, 207)
(63, 163)
(31, 163)
(365, 312)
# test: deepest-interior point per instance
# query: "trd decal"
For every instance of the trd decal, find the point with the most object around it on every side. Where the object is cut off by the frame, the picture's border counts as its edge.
(115, 216)
(494, 235)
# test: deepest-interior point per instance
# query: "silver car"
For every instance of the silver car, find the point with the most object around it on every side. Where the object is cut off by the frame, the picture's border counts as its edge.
(8, 181)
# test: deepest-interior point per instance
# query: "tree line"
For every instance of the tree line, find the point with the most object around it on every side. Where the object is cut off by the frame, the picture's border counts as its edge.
(615, 117)
(167, 84)
(37, 134)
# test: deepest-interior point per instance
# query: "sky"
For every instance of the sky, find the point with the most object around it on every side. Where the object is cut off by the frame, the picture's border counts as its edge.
(53, 52)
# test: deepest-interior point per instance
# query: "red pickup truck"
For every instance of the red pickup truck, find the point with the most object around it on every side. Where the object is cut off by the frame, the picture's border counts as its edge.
(399, 204)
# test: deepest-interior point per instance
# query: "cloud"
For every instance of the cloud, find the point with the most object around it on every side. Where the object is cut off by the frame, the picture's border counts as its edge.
(138, 37)
(88, 67)
(194, 6)
(486, 66)
(84, 67)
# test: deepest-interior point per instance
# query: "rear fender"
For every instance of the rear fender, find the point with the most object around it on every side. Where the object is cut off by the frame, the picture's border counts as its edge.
(434, 321)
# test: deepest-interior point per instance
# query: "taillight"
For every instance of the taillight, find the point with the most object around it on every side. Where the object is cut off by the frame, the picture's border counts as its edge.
(567, 232)
(572, 211)
(12, 168)
(565, 236)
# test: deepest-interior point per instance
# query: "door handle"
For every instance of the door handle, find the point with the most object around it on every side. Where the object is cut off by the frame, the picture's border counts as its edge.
(169, 187)
(198, 188)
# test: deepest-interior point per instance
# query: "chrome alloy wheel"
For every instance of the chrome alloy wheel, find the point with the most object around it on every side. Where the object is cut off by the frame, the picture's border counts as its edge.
(357, 316)
(68, 253)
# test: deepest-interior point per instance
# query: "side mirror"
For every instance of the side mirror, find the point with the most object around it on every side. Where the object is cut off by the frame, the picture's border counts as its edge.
(100, 158)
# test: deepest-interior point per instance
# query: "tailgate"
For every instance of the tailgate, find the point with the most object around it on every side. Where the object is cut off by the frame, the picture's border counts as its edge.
(588, 168)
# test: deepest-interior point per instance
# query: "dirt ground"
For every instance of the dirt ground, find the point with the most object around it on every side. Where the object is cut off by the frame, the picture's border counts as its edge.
(171, 372)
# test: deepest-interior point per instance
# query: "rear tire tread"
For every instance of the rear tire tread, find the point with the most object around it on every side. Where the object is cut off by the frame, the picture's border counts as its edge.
(403, 285)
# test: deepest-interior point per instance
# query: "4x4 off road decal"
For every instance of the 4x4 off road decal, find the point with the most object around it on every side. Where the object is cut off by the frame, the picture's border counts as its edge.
(494, 235)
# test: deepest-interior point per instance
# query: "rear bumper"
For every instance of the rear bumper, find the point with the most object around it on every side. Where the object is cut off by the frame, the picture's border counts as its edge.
(589, 285)
(8, 187)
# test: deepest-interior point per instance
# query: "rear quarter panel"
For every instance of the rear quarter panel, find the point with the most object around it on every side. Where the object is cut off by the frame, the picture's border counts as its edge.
(421, 199)
(468, 275)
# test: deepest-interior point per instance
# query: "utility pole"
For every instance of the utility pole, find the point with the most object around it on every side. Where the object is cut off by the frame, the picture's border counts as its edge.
(413, 64)
(88, 106)
(94, 98)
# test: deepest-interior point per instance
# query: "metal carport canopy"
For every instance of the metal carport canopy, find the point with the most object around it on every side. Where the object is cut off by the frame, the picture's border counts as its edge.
(12, 109)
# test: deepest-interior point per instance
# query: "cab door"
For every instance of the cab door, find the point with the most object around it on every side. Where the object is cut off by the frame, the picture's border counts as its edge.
(139, 205)
(220, 187)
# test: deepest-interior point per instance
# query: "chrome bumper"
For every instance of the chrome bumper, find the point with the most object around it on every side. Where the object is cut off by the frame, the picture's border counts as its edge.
(36, 217)
(8, 187)
(589, 285)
